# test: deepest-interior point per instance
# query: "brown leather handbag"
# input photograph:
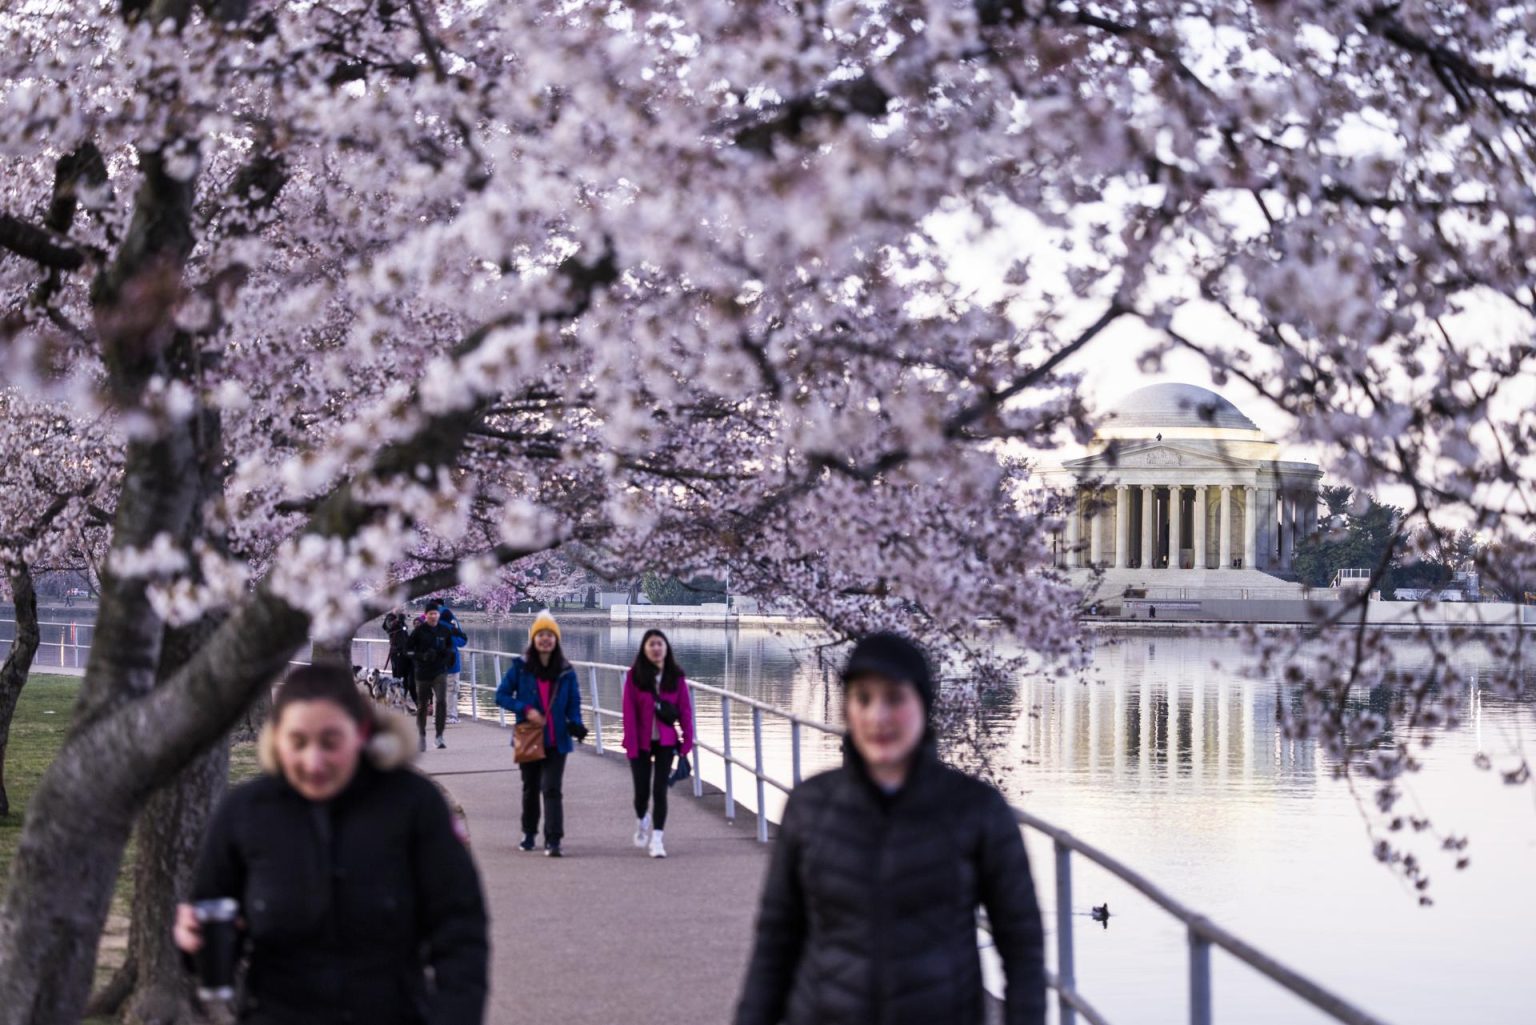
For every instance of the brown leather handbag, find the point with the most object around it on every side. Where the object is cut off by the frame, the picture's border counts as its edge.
(527, 743)
(528, 739)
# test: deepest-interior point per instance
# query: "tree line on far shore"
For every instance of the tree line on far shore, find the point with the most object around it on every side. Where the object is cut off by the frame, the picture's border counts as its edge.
(1359, 532)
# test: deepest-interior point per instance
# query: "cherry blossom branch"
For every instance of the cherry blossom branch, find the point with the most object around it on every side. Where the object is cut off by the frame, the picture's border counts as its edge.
(38, 245)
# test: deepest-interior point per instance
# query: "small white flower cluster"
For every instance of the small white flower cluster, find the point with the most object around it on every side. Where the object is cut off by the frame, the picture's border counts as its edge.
(219, 583)
(324, 576)
(163, 558)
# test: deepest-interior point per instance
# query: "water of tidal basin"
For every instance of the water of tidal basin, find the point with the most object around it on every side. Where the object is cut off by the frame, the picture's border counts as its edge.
(1179, 769)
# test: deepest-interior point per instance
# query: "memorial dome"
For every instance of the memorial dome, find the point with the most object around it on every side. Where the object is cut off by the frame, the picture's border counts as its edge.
(1176, 410)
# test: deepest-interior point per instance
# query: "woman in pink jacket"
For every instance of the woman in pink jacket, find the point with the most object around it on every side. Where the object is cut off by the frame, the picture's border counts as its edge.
(658, 726)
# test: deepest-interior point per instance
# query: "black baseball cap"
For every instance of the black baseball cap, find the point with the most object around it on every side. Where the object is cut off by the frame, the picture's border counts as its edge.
(896, 658)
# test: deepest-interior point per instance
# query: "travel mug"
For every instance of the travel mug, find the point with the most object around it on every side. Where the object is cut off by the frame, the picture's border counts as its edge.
(220, 950)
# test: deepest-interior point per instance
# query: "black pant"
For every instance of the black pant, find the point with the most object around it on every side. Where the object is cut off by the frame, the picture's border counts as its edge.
(438, 688)
(651, 770)
(543, 779)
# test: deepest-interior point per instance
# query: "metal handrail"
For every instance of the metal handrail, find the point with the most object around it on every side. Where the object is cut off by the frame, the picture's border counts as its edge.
(1203, 933)
(51, 622)
(61, 644)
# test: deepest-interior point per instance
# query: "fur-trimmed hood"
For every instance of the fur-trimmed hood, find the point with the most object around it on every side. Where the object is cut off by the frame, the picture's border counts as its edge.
(392, 746)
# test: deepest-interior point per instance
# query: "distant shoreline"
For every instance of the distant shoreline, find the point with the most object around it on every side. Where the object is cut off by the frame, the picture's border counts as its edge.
(667, 615)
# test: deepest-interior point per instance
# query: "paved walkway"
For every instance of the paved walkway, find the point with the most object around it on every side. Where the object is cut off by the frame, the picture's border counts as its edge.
(605, 935)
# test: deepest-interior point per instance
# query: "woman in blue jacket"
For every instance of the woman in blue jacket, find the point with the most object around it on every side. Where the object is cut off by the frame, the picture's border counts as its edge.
(541, 687)
(459, 640)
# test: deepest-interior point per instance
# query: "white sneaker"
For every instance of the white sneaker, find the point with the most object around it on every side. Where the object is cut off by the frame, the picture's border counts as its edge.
(658, 849)
(643, 831)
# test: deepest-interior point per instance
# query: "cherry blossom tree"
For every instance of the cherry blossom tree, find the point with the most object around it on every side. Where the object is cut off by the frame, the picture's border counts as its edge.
(56, 492)
(378, 297)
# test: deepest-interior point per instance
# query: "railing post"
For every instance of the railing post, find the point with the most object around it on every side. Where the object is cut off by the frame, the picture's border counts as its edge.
(1199, 978)
(474, 687)
(693, 719)
(730, 792)
(501, 713)
(597, 712)
(757, 770)
(794, 747)
(1066, 975)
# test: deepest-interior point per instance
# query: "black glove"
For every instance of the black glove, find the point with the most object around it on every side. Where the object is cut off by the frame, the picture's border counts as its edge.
(577, 731)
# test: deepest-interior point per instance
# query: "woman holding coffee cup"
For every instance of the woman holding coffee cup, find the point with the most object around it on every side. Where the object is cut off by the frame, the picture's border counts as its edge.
(350, 878)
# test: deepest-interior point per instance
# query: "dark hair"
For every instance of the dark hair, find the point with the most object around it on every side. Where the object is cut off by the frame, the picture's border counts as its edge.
(323, 683)
(643, 671)
(536, 666)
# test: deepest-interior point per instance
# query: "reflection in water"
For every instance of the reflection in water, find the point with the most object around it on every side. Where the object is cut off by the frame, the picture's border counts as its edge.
(1174, 719)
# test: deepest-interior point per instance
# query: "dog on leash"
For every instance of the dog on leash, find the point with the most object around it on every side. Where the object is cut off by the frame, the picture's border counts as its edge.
(386, 690)
(371, 682)
(395, 696)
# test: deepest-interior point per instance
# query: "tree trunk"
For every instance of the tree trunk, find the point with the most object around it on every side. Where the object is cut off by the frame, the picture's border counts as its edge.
(169, 835)
(18, 663)
(255, 717)
(84, 807)
(60, 891)
(79, 820)
(338, 652)
(107, 1001)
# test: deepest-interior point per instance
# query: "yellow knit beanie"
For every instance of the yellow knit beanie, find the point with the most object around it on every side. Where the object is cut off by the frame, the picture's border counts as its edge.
(544, 621)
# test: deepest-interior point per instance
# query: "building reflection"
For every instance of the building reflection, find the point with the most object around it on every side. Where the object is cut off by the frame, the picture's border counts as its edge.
(1153, 712)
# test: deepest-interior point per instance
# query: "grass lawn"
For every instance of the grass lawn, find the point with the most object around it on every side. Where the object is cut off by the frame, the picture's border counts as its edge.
(42, 718)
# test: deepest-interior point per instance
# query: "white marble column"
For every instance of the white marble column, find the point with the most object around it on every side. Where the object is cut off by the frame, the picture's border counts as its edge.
(1266, 521)
(1287, 529)
(1148, 520)
(1175, 492)
(1074, 531)
(1250, 528)
(1225, 558)
(1199, 514)
(1122, 526)
(1097, 515)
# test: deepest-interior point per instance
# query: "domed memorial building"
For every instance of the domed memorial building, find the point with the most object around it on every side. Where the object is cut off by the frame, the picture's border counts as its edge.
(1180, 489)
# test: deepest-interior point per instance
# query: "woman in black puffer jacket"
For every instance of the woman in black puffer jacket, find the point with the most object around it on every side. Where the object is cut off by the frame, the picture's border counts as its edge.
(869, 910)
(351, 876)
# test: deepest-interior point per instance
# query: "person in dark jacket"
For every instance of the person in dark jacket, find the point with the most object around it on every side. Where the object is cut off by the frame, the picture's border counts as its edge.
(868, 913)
(400, 663)
(358, 899)
(434, 647)
(542, 688)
